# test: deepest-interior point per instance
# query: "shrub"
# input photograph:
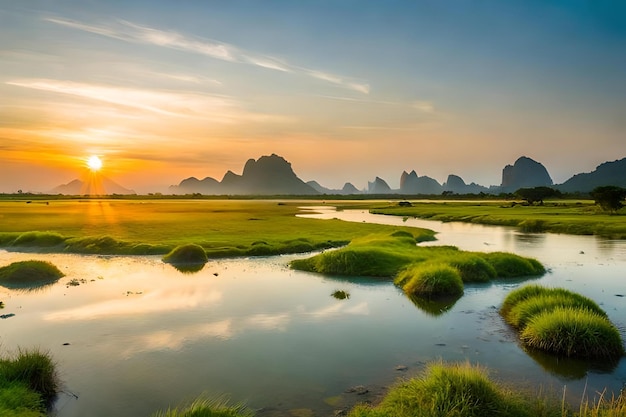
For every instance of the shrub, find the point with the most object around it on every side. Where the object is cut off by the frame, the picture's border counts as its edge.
(573, 332)
(190, 254)
(431, 280)
(29, 273)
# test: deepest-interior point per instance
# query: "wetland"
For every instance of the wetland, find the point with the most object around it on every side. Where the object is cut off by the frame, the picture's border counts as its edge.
(137, 330)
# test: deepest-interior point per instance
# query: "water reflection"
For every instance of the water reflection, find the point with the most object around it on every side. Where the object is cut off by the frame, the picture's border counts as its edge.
(571, 368)
(434, 306)
(188, 268)
(33, 287)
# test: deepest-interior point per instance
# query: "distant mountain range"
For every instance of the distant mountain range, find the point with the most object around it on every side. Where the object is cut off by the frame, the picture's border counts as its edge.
(97, 186)
(273, 175)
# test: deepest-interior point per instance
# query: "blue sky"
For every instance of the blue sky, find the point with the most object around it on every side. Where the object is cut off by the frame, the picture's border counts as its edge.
(344, 90)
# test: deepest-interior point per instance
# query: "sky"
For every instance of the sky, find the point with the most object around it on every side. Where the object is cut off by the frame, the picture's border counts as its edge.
(345, 90)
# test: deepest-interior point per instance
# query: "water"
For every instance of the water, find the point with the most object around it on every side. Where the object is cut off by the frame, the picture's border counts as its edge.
(143, 336)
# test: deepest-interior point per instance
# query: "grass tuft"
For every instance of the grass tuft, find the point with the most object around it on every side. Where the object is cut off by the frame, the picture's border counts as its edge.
(206, 407)
(573, 332)
(509, 265)
(190, 254)
(431, 280)
(31, 378)
(29, 273)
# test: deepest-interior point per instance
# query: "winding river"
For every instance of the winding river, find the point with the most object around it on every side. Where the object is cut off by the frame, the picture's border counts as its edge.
(136, 335)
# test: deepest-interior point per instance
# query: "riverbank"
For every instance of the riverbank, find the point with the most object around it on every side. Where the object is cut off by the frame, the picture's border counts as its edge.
(576, 217)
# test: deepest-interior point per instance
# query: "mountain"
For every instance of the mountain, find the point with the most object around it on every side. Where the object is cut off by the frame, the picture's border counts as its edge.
(269, 175)
(97, 186)
(414, 184)
(524, 173)
(378, 186)
(608, 173)
(347, 189)
(455, 184)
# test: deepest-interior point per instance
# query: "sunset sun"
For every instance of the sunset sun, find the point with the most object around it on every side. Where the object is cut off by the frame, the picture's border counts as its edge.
(94, 163)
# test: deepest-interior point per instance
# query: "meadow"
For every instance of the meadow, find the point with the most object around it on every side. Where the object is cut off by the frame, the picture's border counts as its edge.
(577, 217)
(156, 226)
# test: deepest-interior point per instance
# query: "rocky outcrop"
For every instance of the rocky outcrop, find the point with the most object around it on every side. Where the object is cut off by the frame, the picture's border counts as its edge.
(457, 185)
(414, 184)
(378, 186)
(269, 175)
(524, 173)
(608, 173)
(346, 190)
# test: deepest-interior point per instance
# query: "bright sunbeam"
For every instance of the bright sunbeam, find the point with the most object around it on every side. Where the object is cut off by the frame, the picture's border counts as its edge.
(94, 163)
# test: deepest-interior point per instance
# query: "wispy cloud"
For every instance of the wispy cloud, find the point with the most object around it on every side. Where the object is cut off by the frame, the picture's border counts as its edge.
(159, 102)
(135, 33)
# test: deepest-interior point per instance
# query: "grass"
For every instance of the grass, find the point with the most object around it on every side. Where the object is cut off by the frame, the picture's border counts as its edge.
(578, 217)
(28, 383)
(573, 332)
(25, 274)
(186, 255)
(205, 407)
(462, 390)
(432, 280)
(561, 322)
(224, 228)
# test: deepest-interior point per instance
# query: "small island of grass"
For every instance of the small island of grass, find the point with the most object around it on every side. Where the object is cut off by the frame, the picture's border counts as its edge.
(187, 258)
(561, 322)
(28, 274)
(433, 271)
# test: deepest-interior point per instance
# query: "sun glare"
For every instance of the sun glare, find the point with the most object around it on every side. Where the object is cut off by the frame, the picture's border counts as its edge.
(94, 163)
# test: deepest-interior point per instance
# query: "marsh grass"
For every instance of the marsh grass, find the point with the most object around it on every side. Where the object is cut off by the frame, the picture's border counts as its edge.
(558, 216)
(509, 265)
(431, 280)
(26, 274)
(573, 332)
(189, 254)
(206, 407)
(604, 407)
(519, 315)
(30, 380)
(462, 390)
(473, 267)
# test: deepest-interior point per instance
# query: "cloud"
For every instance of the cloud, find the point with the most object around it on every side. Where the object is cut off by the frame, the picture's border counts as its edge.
(424, 106)
(219, 108)
(135, 33)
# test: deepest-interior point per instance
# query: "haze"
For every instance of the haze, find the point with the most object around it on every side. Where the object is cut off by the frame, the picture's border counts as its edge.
(344, 90)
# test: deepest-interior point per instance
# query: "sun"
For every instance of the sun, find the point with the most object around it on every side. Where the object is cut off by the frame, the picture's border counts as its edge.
(94, 163)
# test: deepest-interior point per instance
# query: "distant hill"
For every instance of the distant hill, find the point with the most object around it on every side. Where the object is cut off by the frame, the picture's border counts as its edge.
(608, 173)
(347, 189)
(378, 186)
(269, 175)
(99, 186)
(455, 184)
(524, 173)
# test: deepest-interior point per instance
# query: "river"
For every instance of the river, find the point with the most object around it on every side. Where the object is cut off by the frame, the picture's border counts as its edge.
(137, 335)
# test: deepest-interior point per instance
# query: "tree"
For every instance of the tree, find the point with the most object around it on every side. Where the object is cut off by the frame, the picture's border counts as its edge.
(536, 194)
(609, 197)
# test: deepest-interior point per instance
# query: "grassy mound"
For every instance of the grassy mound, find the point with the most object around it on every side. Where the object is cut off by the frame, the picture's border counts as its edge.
(473, 267)
(203, 407)
(38, 239)
(431, 280)
(509, 265)
(29, 273)
(454, 390)
(519, 315)
(561, 322)
(190, 254)
(573, 332)
(28, 383)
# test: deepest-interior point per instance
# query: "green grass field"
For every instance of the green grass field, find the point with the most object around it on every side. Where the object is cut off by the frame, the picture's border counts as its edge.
(578, 217)
(156, 226)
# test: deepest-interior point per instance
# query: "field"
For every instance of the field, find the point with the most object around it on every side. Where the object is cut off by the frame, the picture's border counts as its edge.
(577, 217)
(136, 226)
